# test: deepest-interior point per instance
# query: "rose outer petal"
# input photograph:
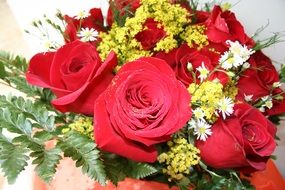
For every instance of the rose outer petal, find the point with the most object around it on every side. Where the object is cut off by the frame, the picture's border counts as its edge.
(109, 140)
(38, 70)
(82, 100)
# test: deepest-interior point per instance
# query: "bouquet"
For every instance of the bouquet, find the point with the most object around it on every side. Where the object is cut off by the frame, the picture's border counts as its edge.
(159, 90)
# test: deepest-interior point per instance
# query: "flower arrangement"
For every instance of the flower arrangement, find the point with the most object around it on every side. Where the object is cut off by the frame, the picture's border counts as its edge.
(161, 90)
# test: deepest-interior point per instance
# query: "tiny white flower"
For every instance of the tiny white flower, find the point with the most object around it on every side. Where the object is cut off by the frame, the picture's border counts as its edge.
(267, 102)
(48, 44)
(229, 60)
(246, 65)
(276, 85)
(199, 113)
(248, 98)
(241, 51)
(225, 106)
(192, 124)
(202, 130)
(265, 98)
(203, 72)
(189, 66)
(82, 15)
(88, 35)
(261, 109)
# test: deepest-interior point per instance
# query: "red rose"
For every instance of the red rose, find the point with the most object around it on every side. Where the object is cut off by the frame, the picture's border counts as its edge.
(151, 35)
(122, 6)
(244, 141)
(95, 21)
(223, 26)
(261, 74)
(180, 58)
(74, 73)
(142, 107)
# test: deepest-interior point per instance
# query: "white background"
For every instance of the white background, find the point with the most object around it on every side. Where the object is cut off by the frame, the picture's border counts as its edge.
(252, 14)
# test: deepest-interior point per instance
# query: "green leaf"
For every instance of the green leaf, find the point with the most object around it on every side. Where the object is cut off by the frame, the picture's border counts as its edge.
(140, 170)
(35, 111)
(3, 73)
(47, 162)
(15, 123)
(282, 74)
(115, 167)
(17, 64)
(183, 184)
(13, 159)
(83, 150)
(43, 94)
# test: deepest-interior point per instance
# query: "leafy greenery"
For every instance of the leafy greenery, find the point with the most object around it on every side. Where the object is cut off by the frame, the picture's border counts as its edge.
(16, 64)
(282, 73)
(274, 39)
(13, 158)
(115, 167)
(140, 170)
(46, 162)
(83, 150)
(34, 111)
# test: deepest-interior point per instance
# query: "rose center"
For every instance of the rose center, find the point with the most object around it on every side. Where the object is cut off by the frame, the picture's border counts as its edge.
(248, 133)
(76, 65)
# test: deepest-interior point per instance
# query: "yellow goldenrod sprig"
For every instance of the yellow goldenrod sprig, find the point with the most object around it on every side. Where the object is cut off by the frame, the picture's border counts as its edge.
(83, 125)
(179, 159)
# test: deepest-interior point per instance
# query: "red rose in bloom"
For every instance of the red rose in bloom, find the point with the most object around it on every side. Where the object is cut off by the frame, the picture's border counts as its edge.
(122, 6)
(244, 141)
(142, 107)
(95, 21)
(153, 34)
(261, 74)
(74, 73)
(179, 59)
(223, 26)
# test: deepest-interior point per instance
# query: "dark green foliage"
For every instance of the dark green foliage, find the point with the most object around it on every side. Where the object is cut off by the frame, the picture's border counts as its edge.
(139, 170)
(115, 167)
(46, 162)
(83, 150)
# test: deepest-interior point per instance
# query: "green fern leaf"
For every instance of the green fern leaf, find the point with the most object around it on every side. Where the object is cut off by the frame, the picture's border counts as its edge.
(13, 159)
(34, 111)
(47, 162)
(15, 63)
(140, 170)
(83, 150)
(115, 167)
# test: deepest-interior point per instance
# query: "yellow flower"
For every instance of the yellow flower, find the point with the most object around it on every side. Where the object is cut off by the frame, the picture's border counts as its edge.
(83, 125)
(178, 160)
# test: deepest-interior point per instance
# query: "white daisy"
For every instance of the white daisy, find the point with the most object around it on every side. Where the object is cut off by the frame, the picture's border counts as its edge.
(88, 35)
(241, 51)
(229, 60)
(82, 15)
(202, 130)
(199, 113)
(203, 72)
(248, 98)
(226, 107)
